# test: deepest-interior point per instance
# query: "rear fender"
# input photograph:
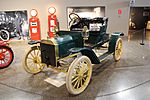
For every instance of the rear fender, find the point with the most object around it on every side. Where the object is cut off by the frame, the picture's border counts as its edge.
(113, 39)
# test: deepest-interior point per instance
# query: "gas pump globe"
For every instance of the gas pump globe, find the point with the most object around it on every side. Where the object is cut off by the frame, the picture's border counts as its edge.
(51, 10)
(34, 13)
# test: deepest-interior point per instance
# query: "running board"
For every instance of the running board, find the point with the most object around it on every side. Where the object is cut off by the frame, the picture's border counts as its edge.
(103, 56)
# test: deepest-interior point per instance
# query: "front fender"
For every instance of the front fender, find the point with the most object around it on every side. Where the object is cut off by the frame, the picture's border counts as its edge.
(32, 42)
(87, 52)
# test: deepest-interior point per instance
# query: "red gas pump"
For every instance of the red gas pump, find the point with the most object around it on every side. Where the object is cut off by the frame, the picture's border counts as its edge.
(52, 22)
(34, 26)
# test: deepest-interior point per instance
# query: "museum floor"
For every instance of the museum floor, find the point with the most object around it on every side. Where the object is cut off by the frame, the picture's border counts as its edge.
(128, 79)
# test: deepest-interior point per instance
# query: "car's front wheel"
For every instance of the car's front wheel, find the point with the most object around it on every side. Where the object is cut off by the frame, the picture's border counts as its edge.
(32, 61)
(79, 75)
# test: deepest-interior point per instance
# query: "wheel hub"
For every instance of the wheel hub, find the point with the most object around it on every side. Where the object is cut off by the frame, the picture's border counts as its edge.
(36, 60)
(80, 74)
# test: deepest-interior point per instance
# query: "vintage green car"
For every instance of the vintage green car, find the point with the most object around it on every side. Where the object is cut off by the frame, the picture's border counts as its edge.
(74, 52)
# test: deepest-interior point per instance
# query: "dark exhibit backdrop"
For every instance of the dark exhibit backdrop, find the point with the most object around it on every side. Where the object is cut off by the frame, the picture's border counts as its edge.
(139, 16)
(16, 23)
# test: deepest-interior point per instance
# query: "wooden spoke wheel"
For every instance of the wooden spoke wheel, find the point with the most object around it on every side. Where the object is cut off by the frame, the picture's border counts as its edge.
(118, 50)
(79, 75)
(6, 56)
(32, 61)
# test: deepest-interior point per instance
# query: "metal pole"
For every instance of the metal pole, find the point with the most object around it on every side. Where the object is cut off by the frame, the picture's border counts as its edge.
(143, 36)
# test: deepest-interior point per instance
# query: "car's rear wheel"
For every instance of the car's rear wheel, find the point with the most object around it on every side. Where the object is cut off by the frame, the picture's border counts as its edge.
(4, 35)
(118, 50)
(79, 75)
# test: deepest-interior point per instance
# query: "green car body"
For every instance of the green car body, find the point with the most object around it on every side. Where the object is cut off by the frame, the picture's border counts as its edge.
(71, 42)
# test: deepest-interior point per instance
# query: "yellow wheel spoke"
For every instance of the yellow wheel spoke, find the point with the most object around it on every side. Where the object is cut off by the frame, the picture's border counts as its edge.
(32, 55)
(81, 82)
(75, 79)
(85, 75)
(78, 84)
(30, 58)
(85, 71)
(34, 52)
(84, 79)
(75, 83)
(35, 65)
(30, 61)
(38, 52)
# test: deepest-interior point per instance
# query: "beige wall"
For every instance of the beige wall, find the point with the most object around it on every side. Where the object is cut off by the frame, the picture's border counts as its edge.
(116, 23)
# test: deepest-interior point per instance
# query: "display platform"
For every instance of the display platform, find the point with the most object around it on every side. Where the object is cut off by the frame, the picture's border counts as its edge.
(57, 79)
